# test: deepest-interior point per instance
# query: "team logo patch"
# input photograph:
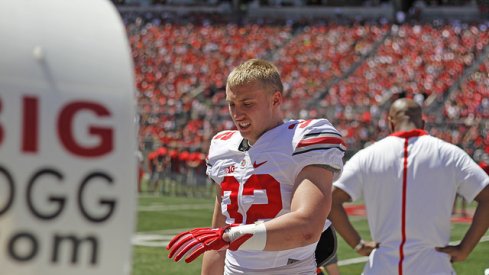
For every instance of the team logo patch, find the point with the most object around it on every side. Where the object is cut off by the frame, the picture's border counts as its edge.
(243, 163)
(256, 165)
(230, 169)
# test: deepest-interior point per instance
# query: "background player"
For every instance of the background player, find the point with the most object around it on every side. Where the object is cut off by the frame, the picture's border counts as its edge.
(409, 181)
(273, 179)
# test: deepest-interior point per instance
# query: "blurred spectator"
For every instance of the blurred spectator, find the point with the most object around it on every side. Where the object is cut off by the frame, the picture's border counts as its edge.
(140, 158)
(181, 64)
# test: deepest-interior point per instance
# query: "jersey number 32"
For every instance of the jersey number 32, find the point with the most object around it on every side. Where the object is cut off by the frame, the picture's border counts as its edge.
(255, 212)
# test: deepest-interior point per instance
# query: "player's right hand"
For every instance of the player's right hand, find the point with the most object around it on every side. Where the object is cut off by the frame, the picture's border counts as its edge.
(195, 242)
(199, 240)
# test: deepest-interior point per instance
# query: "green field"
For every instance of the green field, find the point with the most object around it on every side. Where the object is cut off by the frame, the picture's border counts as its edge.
(164, 216)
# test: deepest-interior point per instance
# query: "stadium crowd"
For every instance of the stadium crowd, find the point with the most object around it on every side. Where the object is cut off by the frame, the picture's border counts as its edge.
(347, 73)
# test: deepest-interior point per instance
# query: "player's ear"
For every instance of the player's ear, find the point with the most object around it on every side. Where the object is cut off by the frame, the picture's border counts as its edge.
(390, 123)
(277, 98)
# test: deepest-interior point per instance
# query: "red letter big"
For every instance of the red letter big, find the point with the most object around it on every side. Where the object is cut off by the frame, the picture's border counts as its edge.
(1, 128)
(30, 124)
(65, 130)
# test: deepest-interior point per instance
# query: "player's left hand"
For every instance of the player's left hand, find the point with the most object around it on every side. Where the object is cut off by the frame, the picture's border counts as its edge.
(457, 254)
(195, 242)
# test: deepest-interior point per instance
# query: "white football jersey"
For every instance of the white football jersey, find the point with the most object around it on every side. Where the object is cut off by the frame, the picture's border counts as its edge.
(257, 183)
(408, 181)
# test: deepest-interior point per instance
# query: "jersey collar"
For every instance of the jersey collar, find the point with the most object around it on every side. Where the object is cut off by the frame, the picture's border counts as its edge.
(409, 134)
(266, 138)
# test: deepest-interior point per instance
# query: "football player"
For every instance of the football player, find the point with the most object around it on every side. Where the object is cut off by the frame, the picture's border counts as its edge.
(273, 179)
(408, 182)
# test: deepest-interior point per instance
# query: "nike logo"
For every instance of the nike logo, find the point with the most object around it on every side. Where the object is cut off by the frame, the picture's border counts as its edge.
(256, 165)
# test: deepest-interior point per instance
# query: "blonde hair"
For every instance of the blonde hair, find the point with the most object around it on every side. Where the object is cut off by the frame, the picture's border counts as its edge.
(256, 70)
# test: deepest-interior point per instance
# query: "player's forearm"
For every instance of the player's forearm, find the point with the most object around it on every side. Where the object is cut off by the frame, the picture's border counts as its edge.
(310, 205)
(288, 231)
(479, 226)
(293, 230)
(342, 224)
(213, 263)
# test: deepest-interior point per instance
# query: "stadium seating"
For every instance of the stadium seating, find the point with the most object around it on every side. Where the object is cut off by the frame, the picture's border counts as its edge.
(175, 63)
(472, 99)
(355, 68)
(320, 53)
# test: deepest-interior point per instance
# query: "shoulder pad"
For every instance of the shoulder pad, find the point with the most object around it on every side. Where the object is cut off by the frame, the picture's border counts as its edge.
(222, 143)
(316, 134)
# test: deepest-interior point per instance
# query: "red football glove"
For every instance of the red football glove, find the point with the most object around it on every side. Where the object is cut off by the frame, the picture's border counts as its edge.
(200, 240)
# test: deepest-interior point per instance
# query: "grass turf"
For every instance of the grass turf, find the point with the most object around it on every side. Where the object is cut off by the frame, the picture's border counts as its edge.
(157, 213)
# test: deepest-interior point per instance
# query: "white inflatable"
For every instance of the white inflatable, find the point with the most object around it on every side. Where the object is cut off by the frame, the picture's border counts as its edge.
(67, 139)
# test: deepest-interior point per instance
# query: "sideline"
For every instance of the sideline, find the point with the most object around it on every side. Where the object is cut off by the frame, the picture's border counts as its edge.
(162, 238)
(174, 207)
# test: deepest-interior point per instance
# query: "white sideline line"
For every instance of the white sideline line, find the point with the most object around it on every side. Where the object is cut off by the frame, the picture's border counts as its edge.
(155, 238)
(155, 208)
(151, 240)
(353, 261)
(483, 239)
(365, 259)
(162, 238)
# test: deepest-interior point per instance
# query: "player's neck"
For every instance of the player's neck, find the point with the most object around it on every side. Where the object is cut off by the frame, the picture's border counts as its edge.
(272, 126)
(405, 127)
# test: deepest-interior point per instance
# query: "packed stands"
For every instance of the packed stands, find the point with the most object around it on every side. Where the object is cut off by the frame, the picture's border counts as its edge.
(469, 106)
(471, 101)
(174, 63)
(320, 53)
(416, 60)
(419, 59)
(355, 68)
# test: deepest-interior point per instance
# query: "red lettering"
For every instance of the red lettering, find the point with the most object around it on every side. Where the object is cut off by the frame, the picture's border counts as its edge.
(303, 124)
(232, 185)
(263, 211)
(256, 211)
(65, 130)
(1, 128)
(30, 125)
(230, 169)
(224, 136)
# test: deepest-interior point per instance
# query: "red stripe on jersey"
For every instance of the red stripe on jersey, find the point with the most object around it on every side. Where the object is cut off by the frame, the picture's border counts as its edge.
(403, 214)
(410, 134)
(320, 140)
(225, 136)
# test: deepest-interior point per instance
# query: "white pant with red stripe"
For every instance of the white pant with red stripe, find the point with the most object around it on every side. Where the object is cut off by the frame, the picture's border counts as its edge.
(379, 259)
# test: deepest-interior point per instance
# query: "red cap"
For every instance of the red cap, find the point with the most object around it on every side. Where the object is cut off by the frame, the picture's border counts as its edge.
(161, 151)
